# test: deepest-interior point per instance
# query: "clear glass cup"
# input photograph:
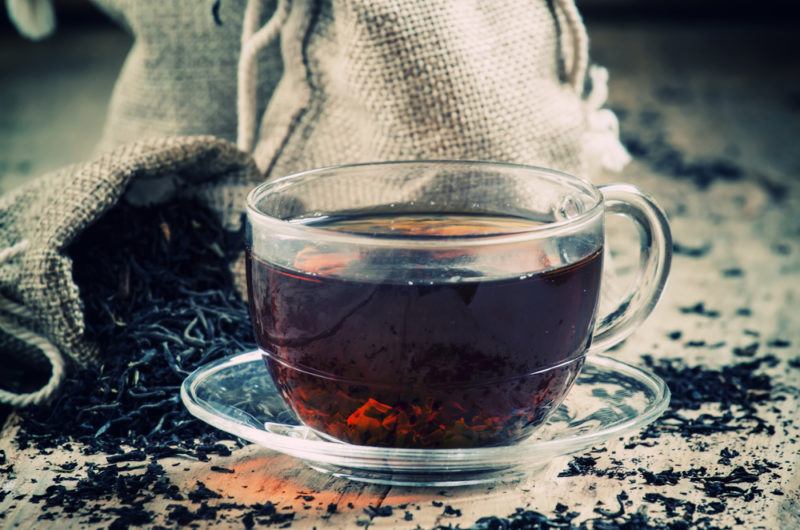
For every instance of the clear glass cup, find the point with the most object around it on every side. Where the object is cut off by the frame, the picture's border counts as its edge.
(438, 304)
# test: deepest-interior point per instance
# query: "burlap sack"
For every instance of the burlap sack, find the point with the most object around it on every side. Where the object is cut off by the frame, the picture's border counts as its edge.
(369, 80)
(179, 77)
(41, 314)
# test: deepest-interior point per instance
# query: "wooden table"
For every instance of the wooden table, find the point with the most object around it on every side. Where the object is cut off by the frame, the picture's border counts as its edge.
(728, 92)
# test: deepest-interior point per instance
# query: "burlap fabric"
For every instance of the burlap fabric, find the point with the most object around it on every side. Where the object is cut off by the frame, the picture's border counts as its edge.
(368, 80)
(39, 221)
(180, 75)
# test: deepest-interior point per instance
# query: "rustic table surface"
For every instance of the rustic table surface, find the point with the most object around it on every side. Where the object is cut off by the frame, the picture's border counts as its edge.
(727, 93)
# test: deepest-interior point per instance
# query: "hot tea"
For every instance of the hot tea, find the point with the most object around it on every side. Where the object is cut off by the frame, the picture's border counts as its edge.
(446, 356)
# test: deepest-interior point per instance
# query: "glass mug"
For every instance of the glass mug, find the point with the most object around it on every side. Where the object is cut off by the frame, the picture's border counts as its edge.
(438, 303)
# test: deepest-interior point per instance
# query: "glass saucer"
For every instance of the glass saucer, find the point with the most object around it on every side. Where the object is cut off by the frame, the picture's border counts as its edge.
(609, 398)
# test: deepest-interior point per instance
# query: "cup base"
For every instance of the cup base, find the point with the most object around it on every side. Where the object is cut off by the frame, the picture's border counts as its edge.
(508, 474)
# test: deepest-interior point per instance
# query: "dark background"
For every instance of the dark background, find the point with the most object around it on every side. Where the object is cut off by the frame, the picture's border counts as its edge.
(77, 12)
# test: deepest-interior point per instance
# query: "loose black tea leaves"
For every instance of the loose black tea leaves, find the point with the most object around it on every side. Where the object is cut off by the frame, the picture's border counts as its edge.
(159, 301)
(378, 511)
(580, 465)
(705, 401)
(737, 386)
(735, 390)
(691, 252)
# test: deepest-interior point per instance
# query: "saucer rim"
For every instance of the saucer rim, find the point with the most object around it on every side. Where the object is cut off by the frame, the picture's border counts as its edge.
(333, 452)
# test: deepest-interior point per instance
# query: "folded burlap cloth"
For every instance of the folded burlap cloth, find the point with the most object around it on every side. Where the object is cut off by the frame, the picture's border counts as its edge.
(41, 312)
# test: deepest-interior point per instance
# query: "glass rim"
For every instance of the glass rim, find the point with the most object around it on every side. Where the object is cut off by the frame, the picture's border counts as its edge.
(302, 231)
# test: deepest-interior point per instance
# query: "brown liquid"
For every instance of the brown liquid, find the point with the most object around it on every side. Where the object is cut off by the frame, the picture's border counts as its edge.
(423, 364)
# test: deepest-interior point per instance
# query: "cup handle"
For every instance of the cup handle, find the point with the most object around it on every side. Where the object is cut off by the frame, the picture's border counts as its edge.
(655, 257)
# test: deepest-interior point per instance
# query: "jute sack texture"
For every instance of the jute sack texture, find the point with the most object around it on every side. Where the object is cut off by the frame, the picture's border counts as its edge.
(370, 80)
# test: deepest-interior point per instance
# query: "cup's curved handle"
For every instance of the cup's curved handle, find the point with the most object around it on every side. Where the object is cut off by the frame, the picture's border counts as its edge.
(654, 262)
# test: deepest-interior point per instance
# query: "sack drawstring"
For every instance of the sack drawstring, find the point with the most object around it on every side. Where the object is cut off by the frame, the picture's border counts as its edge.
(30, 338)
(576, 67)
(254, 40)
